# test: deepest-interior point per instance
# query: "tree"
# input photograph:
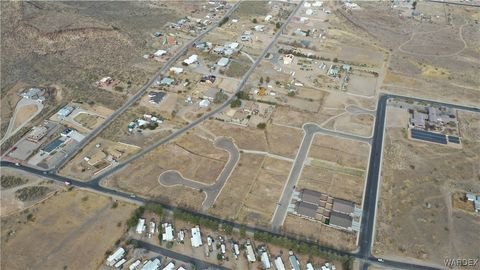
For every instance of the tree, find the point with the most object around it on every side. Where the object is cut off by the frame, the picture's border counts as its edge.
(220, 97)
(261, 125)
(243, 231)
(243, 95)
(228, 229)
(261, 80)
(267, 79)
(254, 20)
(236, 103)
(278, 25)
(291, 93)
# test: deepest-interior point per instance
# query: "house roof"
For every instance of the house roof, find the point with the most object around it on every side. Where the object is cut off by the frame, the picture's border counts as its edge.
(52, 146)
(311, 196)
(343, 206)
(307, 209)
(341, 220)
(223, 61)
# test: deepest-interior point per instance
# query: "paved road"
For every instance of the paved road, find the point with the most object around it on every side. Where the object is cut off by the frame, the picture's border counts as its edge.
(140, 93)
(310, 129)
(199, 264)
(454, 3)
(172, 178)
(206, 115)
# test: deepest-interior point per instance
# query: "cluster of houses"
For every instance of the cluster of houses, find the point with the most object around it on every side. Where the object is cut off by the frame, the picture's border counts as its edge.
(118, 260)
(147, 121)
(334, 212)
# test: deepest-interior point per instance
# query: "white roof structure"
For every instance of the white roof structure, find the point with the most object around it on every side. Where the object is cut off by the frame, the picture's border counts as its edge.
(250, 253)
(236, 249)
(196, 237)
(268, 18)
(151, 265)
(120, 263)
(265, 260)
(259, 27)
(328, 266)
(168, 232)
(223, 248)
(76, 136)
(169, 266)
(177, 70)
(204, 103)
(190, 60)
(223, 62)
(134, 265)
(309, 266)
(279, 263)
(65, 111)
(117, 255)
(160, 53)
(140, 226)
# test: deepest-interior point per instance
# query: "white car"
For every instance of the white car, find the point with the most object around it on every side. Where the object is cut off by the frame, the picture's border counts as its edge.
(380, 260)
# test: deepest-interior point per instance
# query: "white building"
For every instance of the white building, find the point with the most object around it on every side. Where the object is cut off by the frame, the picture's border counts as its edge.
(134, 265)
(140, 226)
(159, 53)
(259, 28)
(115, 257)
(265, 260)
(268, 18)
(236, 250)
(152, 227)
(223, 62)
(181, 235)
(279, 263)
(120, 263)
(168, 232)
(196, 237)
(151, 265)
(309, 266)
(177, 70)
(169, 266)
(250, 253)
(204, 103)
(190, 60)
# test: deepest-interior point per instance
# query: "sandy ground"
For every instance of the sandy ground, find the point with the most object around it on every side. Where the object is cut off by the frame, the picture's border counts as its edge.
(23, 114)
(418, 180)
(71, 225)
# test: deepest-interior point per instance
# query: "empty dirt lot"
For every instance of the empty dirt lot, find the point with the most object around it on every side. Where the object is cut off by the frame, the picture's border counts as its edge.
(62, 232)
(415, 216)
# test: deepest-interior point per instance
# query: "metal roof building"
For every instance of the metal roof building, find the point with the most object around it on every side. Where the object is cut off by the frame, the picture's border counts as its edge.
(279, 263)
(52, 146)
(196, 237)
(341, 220)
(343, 206)
(168, 232)
(117, 255)
(151, 265)
(250, 253)
(294, 263)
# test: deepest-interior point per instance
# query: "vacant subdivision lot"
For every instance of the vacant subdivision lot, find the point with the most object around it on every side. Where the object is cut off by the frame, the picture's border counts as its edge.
(416, 217)
(62, 231)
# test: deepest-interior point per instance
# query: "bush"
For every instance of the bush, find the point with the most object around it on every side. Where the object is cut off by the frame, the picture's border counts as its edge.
(243, 231)
(155, 208)
(31, 193)
(220, 97)
(254, 20)
(132, 221)
(8, 181)
(115, 205)
(242, 95)
(223, 21)
(291, 93)
(236, 103)
(261, 125)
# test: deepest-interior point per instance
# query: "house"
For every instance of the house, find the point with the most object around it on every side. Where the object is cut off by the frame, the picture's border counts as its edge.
(309, 11)
(65, 111)
(169, 266)
(51, 147)
(304, 43)
(151, 265)
(37, 133)
(294, 263)
(190, 60)
(265, 260)
(157, 34)
(120, 263)
(105, 81)
(259, 28)
(475, 199)
(250, 252)
(287, 59)
(181, 236)
(307, 210)
(196, 237)
(268, 18)
(156, 97)
(310, 196)
(203, 46)
(279, 263)
(300, 32)
(341, 220)
(168, 232)
(245, 37)
(134, 265)
(140, 226)
(115, 257)
(208, 79)
(334, 71)
(33, 93)
(152, 227)
(159, 53)
(166, 81)
(204, 103)
(210, 94)
(309, 266)
(223, 62)
(176, 70)
(328, 266)
(343, 206)
(347, 68)
(418, 120)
